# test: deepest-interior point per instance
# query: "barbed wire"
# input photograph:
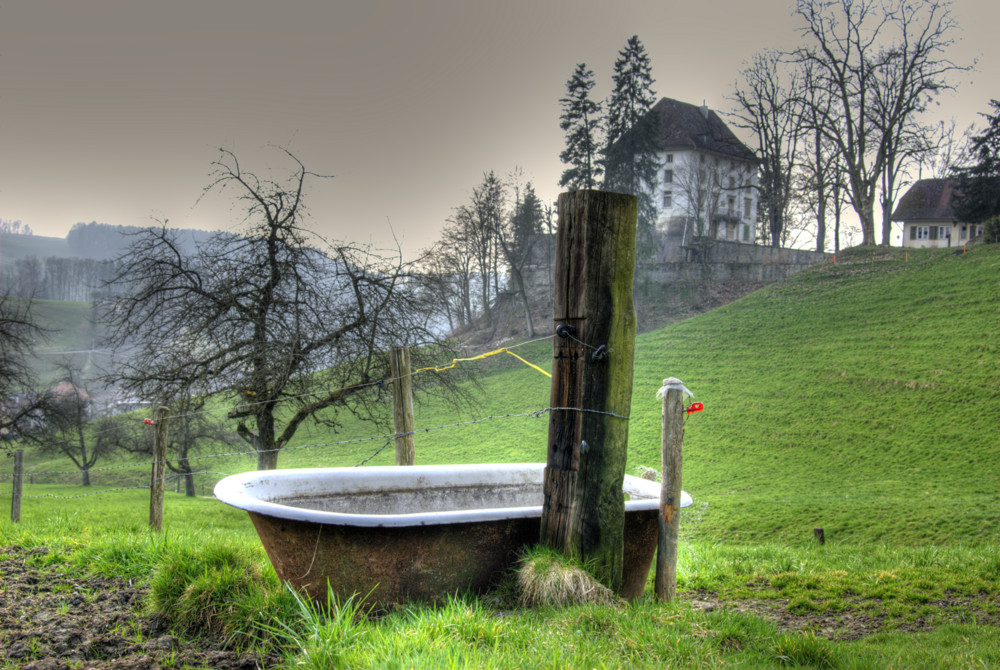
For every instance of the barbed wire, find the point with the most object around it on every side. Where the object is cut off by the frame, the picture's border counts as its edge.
(357, 386)
(384, 436)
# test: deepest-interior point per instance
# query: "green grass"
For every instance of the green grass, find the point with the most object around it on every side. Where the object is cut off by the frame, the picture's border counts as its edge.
(861, 397)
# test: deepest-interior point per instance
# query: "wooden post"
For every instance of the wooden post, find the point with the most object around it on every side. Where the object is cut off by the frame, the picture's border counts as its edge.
(402, 405)
(584, 508)
(159, 468)
(15, 500)
(665, 581)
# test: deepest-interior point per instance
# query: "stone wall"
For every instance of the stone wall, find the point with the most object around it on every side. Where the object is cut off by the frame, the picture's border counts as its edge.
(702, 260)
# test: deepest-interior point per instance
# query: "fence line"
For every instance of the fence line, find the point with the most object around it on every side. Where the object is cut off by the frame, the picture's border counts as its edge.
(379, 382)
(384, 436)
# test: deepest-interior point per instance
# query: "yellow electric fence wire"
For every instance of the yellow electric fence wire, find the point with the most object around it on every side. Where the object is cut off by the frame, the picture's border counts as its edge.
(456, 361)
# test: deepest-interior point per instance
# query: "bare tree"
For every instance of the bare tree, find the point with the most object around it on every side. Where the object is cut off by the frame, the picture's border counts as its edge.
(71, 429)
(769, 105)
(21, 407)
(192, 429)
(286, 330)
(879, 62)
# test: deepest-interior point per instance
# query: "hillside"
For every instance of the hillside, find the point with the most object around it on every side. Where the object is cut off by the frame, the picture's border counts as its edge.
(862, 397)
(14, 247)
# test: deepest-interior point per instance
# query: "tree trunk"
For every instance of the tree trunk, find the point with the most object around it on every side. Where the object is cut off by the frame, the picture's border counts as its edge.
(583, 510)
(267, 450)
(185, 467)
(86, 476)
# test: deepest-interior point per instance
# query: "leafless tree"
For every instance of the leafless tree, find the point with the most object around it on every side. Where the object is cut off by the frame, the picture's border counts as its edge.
(880, 63)
(192, 428)
(21, 407)
(769, 104)
(70, 427)
(285, 329)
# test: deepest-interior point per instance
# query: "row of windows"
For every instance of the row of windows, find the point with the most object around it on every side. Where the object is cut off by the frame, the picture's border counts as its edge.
(944, 232)
(668, 201)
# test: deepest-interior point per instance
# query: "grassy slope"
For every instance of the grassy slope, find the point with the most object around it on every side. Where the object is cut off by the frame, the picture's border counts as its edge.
(862, 397)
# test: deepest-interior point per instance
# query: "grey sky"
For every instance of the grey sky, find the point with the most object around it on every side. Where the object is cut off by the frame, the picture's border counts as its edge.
(112, 110)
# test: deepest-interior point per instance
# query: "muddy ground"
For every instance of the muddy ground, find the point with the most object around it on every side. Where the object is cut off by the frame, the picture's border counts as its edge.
(53, 621)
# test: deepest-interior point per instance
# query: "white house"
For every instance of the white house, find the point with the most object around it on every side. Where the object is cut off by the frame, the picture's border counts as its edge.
(927, 217)
(707, 178)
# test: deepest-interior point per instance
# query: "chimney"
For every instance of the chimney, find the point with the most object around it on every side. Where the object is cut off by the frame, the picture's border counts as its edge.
(704, 108)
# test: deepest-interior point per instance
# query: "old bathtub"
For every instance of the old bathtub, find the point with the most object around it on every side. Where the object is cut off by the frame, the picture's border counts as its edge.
(415, 532)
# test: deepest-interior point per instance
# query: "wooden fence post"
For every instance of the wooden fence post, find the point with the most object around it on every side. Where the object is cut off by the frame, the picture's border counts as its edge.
(402, 405)
(583, 508)
(665, 581)
(15, 500)
(159, 468)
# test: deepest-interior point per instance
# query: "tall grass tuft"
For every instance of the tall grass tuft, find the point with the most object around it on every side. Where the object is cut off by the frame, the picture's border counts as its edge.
(322, 636)
(547, 578)
(219, 591)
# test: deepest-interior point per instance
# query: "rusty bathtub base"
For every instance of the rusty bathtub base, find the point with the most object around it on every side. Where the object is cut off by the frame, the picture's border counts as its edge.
(422, 563)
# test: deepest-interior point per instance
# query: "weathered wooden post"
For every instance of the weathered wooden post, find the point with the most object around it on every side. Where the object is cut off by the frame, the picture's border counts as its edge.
(402, 405)
(159, 468)
(584, 509)
(665, 580)
(15, 499)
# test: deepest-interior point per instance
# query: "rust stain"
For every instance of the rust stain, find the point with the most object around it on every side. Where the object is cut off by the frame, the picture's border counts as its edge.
(423, 563)
(668, 512)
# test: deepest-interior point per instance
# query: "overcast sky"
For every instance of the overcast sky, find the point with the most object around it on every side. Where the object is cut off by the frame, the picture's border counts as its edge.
(112, 110)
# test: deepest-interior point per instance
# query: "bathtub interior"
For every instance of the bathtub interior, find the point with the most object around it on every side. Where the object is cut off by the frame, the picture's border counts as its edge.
(427, 499)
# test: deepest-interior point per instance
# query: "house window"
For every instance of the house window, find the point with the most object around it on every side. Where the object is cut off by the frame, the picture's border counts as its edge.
(962, 233)
(732, 183)
(668, 176)
(933, 233)
(977, 230)
(944, 232)
(746, 232)
(747, 207)
(731, 206)
(670, 158)
(920, 233)
(668, 199)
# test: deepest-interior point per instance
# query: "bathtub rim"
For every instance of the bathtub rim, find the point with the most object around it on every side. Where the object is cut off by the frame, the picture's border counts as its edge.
(238, 491)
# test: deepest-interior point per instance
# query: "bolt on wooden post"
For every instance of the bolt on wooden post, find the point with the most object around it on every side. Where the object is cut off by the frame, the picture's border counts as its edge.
(583, 509)
(159, 468)
(402, 405)
(665, 580)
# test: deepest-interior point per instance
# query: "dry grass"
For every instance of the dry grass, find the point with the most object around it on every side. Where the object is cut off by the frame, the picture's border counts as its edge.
(546, 578)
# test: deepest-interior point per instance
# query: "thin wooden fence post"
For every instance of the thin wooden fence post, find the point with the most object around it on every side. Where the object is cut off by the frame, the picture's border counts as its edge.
(15, 501)
(159, 467)
(583, 507)
(665, 582)
(402, 405)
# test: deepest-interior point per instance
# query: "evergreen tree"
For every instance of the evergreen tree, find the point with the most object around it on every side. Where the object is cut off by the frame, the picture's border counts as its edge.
(979, 197)
(630, 162)
(581, 121)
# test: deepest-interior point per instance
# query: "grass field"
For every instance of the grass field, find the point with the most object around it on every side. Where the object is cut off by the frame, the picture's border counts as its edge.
(861, 397)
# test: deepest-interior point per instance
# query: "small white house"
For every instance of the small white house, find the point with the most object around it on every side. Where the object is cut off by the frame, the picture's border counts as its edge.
(707, 181)
(927, 217)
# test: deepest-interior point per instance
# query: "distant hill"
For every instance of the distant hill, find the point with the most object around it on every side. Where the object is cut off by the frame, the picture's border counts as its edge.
(71, 269)
(16, 247)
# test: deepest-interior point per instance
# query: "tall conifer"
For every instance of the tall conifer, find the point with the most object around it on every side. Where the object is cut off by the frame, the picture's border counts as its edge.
(581, 121)
(630, 162)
